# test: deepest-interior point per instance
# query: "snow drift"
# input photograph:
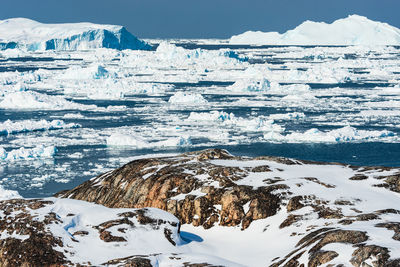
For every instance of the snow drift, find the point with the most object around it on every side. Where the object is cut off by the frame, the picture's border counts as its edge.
(33, 36)
(353, 30)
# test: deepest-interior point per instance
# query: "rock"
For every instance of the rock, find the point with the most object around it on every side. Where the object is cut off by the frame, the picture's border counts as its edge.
(42, 232)
(394, 226)
(166, 179)
(294, 203)
(364, 252)
(319, 205)
(28, 242)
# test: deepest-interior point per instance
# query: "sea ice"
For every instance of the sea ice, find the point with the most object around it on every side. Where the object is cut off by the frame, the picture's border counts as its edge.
(10, 127)
(125, 140)
(27, 153)
(183, 98)
(34, 100)
(344, 134)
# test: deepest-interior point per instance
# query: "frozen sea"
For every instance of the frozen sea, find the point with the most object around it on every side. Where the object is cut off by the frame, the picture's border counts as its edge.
(66, 117)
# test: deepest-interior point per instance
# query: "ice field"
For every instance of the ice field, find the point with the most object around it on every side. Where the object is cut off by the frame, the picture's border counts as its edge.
(68, 116)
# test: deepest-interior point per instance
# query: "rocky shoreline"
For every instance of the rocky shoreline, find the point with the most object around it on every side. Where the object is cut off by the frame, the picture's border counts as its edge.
(323, 214)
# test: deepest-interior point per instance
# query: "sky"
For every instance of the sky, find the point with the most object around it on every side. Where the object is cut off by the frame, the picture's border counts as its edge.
(199, 19)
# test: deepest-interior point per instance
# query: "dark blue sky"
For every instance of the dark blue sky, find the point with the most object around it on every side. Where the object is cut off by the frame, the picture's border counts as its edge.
(202, 18)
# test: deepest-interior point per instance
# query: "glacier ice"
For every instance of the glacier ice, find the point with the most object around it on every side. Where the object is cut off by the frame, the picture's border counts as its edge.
(34, 36)
(353, 30)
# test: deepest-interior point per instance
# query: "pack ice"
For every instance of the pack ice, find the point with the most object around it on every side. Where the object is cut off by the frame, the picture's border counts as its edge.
(353, 30)
(36, 36)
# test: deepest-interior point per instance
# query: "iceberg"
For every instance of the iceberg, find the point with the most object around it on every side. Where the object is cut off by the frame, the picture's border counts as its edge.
(353, 30)
(35, 36)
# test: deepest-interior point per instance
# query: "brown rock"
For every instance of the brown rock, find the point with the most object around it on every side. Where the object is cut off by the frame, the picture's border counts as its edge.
(143, 183)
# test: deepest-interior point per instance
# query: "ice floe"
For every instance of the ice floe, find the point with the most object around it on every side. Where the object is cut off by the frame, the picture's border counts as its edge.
(183, 98)
(27, 153)
(125, 140)
(12, 127)
(344, 134)
(229, 119)
(35, 100)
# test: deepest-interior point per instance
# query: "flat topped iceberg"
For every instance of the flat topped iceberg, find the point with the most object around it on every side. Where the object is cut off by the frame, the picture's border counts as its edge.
(33, 35)
(353, 30)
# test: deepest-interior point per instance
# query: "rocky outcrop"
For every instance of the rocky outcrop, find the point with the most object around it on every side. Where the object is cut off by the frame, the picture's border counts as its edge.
(47, 233)
(172, 184)
(321, 205)
(26, 241)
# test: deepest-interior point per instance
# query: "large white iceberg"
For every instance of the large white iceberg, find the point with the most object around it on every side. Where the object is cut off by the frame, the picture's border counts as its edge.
(353, 30)
(33, 35)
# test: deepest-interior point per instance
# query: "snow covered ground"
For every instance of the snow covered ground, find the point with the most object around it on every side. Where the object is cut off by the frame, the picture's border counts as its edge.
(69, 115)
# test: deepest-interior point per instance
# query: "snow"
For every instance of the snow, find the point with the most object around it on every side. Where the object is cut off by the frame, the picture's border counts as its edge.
(33, 36)
(239, 247)
(7, 194)
(140, 240)
(353, 30)
(10, 127)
